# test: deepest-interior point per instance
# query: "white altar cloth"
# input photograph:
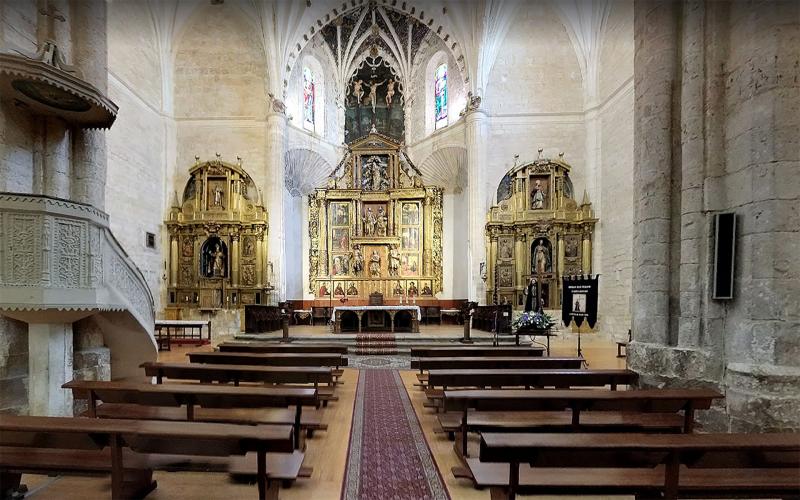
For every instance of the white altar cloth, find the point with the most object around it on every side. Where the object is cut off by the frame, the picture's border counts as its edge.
(378, 308)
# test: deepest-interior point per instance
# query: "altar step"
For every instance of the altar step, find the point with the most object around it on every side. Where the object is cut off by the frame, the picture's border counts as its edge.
(375, 343)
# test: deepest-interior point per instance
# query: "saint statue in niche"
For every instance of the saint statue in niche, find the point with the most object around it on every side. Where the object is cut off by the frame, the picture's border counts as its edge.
(370, 220)
(541, 258)
(217, 268)
(538, 196)
(373, 174)
(218, 196)
(358, 261)
(382, 223)
(375, 264)
(248, 247)
(394, 260)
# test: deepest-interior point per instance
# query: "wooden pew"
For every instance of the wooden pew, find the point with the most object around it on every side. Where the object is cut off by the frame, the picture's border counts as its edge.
(193, 402)
(632, 411)
(646, 465)
(92, 438)
(269, 359)
(272, 347)
(525, 362)
(482, 351)
(527, 378)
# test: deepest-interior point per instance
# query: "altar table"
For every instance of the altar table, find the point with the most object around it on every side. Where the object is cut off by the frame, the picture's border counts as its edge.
(414, 311)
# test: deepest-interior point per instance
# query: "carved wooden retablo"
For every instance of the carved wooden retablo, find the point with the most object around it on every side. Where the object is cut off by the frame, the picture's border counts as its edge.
(537, 230)
(375, 227)
(218, 245)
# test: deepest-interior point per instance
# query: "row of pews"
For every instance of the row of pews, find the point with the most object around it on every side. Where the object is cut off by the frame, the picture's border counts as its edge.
(247, 410)
(546, 426)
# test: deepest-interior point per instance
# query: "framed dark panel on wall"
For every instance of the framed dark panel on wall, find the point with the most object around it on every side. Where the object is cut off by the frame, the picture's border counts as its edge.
(724, 255)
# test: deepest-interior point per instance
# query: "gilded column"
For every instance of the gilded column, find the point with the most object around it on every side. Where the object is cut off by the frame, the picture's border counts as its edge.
(323, 236)
(586, 258)
(519, 259)
(235, 260)
(260, 260)
(561, 255)
(491, 262)
(427, 235)
(173, 260)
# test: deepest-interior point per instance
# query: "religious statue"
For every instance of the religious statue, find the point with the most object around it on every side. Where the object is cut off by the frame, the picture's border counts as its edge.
(530, 294)
(541, 258)
(217, 263)
(218, 193)
(382, 223)
(394, 260)
(373, 93)
(390, 92)
(370, 220)
(537, 196)
(375, 264)
(358, 261)
(358, 92)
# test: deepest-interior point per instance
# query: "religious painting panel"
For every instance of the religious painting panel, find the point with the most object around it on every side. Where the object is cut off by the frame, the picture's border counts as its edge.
(572, 244)
(505, 247)
(340, 265)
(541, 256)
(248, 274)
(216, 194)
(413, 290)
(540, 192)
(340, 239)
(338, 290)
(410, 214)
(505, 275)
(410, 238)
(187, 278)
(375, 172)
(187, 247)
(398, 289)
(340, 214)
(352, 288)
(375, 219)
(248, 246)
(325, 289)
(426, 289)
(409, 264)
(505, 298)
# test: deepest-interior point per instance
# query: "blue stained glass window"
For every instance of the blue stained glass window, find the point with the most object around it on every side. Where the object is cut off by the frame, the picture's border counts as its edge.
(308, 99)
(440, 96)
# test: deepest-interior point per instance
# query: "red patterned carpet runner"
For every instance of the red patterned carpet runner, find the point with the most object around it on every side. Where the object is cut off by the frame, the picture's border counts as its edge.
(375, 343)
(388, 456)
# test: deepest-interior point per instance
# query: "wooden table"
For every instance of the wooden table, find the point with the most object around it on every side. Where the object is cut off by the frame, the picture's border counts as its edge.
(643, 451)
(273, 347)
(171, 327)
(146, 436)
(269, 359)
(359, 311)
(531, 378)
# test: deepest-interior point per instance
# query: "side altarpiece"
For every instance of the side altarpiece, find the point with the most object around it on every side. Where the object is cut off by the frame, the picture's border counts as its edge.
(218, 245)
(375, 227)
(537, 230)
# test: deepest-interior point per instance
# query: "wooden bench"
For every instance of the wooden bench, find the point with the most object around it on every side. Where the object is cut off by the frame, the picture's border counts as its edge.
(208, 373)
(646, 465)
(559, 379)
(481, 362)
(269, 359)
(586, 410)
(76, 445)
(196, 402)
(272, 347)
(484, 351)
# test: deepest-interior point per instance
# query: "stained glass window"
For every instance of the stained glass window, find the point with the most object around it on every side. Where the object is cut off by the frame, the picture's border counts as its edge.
(308, 99)
(440, 95)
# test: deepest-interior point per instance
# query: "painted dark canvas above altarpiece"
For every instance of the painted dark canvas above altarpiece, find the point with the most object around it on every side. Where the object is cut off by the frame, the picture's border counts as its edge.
(374, 97)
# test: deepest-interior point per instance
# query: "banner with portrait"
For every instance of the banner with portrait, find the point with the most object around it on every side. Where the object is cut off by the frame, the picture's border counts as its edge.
(579, 300)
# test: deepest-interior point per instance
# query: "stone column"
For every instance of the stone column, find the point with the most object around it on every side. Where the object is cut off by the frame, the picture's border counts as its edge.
(655, 28)
(89, 146)
(235, 260)
(477, 135)
(49, 367)
(173, 260)
(276, 191)
(57, 160)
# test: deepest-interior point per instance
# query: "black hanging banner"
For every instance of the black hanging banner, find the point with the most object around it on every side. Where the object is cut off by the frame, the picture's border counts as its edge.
(579, 300)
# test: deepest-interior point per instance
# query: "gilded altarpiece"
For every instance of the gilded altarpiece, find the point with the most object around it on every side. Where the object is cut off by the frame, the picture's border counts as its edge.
(218, 245)
(537, 230)
(375, 227)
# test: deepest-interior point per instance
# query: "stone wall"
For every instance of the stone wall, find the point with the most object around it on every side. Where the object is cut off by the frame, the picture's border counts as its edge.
(91, 358)
(13, 366)
(717, 109)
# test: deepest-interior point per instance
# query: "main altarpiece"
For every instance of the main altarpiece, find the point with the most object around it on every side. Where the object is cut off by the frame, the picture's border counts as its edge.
(537, 230)
(375, 227)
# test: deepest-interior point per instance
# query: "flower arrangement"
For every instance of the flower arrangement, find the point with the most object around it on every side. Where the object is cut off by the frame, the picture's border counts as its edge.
(533, 320)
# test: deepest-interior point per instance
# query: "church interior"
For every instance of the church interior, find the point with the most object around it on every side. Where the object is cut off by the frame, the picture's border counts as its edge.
(407, 249)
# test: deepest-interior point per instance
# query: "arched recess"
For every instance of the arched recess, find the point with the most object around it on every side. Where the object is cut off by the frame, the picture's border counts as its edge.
(296, 94)
(304, 170)
(446, 167)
